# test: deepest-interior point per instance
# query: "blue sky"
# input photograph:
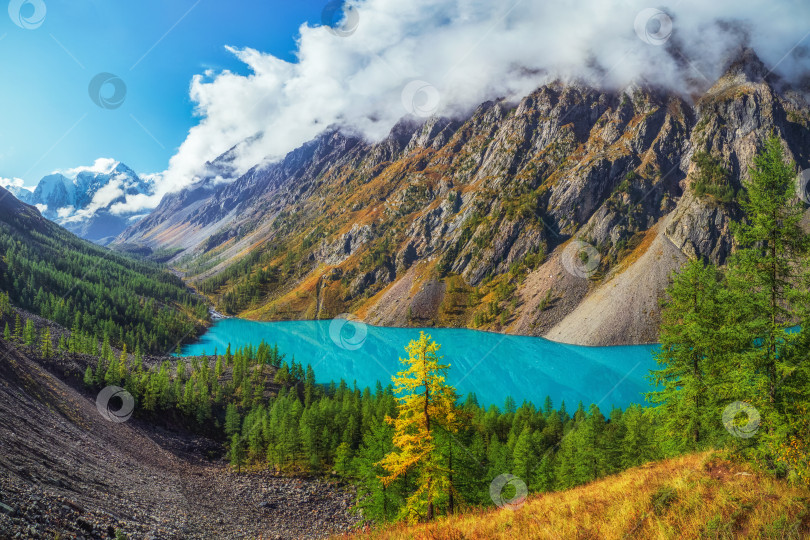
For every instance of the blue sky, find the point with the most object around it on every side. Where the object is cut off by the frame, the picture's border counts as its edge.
(49, 121)
(401, 57)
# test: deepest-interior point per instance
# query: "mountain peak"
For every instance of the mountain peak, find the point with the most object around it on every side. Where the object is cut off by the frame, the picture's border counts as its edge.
(747, 67)
(90, 201)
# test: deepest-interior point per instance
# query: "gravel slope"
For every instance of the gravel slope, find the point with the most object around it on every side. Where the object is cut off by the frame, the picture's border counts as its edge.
(624, 309)
(65, 470)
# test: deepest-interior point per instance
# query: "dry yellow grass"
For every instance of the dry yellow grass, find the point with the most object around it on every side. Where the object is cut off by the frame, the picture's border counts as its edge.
(694, 496)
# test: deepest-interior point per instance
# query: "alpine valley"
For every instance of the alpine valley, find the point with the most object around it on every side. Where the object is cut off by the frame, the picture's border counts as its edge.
(488, 221)
(578, 312)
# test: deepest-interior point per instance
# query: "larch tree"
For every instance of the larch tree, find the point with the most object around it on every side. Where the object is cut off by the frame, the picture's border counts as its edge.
(426, 404)
(770, 297)
(694, 341)
(46, 347)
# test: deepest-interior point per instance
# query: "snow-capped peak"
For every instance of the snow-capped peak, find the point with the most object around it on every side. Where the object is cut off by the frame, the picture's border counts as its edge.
(94, 201)
(101, 166)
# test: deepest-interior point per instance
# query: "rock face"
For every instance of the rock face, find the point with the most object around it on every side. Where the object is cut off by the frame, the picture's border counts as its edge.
(511, 219)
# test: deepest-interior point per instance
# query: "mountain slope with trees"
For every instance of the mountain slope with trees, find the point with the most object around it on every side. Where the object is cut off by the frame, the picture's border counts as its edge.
(700, 495)
(733, 377)
(61, 277)
(561, 215)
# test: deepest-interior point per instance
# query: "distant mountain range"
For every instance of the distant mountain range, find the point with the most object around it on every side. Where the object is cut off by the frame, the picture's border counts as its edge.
(91, 202)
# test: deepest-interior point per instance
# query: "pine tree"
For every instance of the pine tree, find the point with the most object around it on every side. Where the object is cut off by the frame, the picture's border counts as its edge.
(94, 346)
(106, 350)
(523, 456)
(590, 462)
(426, 404)
(237, 452)
(101, 370)
(379, 502)
(111, 376)
(218, 368)
(639, 443)
(89, 378)
(232, 420)
(17, 328)
(186, 401)
(7, 333)
(29, 332)
(343, 457)
(123, 369)
(544, 478)
(309, 385)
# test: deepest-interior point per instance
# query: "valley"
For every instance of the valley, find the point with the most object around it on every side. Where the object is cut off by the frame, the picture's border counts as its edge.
(377, 269)
(66, 471)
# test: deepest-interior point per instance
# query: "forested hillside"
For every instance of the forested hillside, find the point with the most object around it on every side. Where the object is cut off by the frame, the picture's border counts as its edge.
(51, 272)
(701, 495)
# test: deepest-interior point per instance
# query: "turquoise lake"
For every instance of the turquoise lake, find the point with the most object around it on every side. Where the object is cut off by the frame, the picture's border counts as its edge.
(493, 366)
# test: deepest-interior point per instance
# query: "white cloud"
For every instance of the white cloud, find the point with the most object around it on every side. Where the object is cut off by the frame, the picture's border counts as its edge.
(471, 51)
(106, 194)
(42, 208)
(101, 166)
(17, 183)
(113, 195)
(135, 203)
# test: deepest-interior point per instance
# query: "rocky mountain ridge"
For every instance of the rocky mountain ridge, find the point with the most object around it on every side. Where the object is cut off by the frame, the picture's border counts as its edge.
(562, 215)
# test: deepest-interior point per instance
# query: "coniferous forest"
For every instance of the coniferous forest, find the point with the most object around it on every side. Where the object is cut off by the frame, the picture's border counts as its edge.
(733, 375)
(50, 272)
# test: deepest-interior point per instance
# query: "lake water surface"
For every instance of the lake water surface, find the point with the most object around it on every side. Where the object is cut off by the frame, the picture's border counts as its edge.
(493, 366)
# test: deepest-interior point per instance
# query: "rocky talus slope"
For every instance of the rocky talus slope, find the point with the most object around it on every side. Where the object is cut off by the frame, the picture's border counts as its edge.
(67, 472)
(562, 215)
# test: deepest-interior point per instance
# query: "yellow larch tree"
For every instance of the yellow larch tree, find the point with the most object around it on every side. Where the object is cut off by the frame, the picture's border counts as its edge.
(426, 404)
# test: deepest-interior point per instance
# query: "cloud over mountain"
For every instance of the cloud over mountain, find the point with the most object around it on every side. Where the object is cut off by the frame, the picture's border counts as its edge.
(95, 202)
(464, 52)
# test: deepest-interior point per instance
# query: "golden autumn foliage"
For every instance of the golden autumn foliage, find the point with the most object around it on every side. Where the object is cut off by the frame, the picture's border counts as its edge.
(694, 496)
(426, 405)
